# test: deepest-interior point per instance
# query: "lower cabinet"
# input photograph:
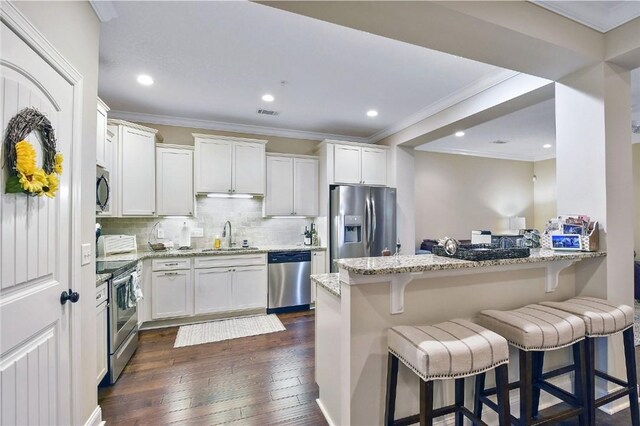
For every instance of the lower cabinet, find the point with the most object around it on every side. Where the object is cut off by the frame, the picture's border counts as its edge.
(172, 294)
(101, 340)
(318, 266)
(230, 288)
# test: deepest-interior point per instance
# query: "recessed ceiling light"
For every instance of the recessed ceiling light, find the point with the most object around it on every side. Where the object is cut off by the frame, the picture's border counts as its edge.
(268, 98)
(459, 133)
(145, 80)
(372, 113)
(547, 145)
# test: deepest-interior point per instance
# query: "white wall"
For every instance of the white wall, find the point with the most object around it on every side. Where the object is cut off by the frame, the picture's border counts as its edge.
(636, 192)
(73, 28)
(455, 194)
(544, 193)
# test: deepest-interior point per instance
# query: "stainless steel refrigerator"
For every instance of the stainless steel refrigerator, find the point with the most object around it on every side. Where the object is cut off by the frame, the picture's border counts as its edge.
(362, 221)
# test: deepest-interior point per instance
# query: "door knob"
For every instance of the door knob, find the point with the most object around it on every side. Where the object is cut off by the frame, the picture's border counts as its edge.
(71, 296)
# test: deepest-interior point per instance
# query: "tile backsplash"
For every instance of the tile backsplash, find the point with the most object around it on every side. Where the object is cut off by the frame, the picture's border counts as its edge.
(245, 216)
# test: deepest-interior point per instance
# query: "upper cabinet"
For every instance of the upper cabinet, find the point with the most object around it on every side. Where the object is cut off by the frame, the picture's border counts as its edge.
(102, 152)
(292, 186)
(229, 165)
(174, 180)
(135, 183)
(359, 164)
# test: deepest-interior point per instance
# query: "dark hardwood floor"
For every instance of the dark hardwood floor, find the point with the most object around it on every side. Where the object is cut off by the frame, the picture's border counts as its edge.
(261, 380)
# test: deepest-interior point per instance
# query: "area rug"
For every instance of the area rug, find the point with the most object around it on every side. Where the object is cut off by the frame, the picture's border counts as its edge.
(636, 324)
(216, 331)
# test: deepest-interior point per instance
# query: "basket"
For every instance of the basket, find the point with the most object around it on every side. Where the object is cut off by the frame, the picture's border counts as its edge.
(478, 252)
(590, 242)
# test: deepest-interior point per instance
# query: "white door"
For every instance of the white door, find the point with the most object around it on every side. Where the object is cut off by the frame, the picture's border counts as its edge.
(248, 168)
(346, 165)
(374, 166)
(249, 287)
(171, 294)
(35, 248)
(213, 165)
(174, 181)
(212, 290)
(138, 175)
(101, 342)
(279, 197)
(305, 189)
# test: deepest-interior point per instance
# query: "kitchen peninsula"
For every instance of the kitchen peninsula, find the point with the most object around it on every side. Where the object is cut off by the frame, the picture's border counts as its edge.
(356, 307)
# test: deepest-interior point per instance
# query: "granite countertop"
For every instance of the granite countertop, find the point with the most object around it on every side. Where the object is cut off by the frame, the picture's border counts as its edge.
(330, 282)
(148, 254)
(430, 262)
(100, 278)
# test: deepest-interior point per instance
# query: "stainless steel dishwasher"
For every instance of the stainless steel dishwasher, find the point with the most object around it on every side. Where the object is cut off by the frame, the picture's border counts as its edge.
(289, 282)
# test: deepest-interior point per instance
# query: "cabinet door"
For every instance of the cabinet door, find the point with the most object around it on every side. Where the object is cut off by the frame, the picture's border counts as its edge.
(279, 198)
(172, 294)
(213, 165)
(374, 166)
(101, 136)
(346, 166)
(249, 287)
(248, 168)
(305, 187)
(101, 341)
(318, 266)
(138, 176)
(212, 290)
(174, 181)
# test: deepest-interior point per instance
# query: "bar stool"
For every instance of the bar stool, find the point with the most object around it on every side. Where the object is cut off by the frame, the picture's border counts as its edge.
(603, 319)
(534, 330)
(450, 350)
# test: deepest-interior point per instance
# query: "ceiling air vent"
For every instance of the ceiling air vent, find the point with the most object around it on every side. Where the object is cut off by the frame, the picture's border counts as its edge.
(499, 142)
(267, 112)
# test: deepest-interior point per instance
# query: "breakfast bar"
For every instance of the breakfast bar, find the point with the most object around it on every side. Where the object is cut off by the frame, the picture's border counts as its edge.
(356, 307)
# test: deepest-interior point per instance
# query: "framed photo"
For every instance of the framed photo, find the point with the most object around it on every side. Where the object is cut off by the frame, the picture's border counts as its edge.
(566, 242)
(572, 229)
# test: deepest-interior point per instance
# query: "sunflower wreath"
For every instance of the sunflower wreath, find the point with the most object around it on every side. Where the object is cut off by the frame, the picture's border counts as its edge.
(24, 174)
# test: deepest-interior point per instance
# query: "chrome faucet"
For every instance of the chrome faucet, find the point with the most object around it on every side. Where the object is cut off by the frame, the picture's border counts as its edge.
(224, 233)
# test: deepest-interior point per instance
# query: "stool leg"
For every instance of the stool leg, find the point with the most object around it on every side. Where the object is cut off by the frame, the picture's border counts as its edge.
(479, 390)
(526, 387)
(459, 383)
(590, 388)
(426, 403)
(580, 379)
(502, 387)
(392, 384)
(632, 379)
(538, 362)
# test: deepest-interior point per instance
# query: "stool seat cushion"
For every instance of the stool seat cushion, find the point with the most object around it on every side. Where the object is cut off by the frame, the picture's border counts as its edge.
(451, 349)
(601, 317)
(535, 327)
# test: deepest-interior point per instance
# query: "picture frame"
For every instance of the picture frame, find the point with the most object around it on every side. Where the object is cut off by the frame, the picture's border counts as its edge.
(568, 228)
(568, 242)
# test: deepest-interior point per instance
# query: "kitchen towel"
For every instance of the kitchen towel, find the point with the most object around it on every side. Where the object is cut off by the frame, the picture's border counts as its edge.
(216, 331)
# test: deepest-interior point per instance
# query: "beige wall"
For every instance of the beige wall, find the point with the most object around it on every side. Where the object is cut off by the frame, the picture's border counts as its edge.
(544, 193)
(455, 194)
(636, 193)
(74, 30)
(182, 136)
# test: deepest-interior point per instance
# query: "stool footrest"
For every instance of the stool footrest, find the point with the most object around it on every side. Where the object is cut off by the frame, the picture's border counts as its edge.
(438, 412)
(558, 372)
(559, 393)
(611, 379)
(611, 397)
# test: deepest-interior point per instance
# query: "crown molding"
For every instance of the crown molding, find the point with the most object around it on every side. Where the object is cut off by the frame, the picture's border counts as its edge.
(591, 13)
(229, 127)
(456, 97)
(105, 10)
(494, 155)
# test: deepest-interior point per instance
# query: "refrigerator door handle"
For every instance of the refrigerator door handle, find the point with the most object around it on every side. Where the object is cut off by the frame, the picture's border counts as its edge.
(374, 221)
(367, 224)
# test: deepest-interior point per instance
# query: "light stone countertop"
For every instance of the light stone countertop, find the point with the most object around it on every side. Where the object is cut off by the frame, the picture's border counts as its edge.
(100, 278)
(330, 282)
(141, 255)
(429, 262)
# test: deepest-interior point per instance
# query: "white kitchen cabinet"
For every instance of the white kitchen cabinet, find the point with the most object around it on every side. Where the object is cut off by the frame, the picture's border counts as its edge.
(212, 290)
(249, 287)
(174, 180)
(229, 165)
(360, 164)
(102, 156)
(172, 294)
(101, 332)
(135, 177)
(292, 186)
(318, 266)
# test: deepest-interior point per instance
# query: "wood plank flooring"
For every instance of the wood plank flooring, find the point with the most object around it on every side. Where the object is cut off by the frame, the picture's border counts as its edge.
(260, 380)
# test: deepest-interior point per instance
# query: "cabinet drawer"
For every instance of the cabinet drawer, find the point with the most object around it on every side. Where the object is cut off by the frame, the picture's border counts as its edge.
(231, 260)
(101, 293)
(171, 264)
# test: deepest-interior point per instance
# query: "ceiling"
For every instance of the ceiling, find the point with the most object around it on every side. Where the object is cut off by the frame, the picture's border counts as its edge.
(212, 62)
(602, 16)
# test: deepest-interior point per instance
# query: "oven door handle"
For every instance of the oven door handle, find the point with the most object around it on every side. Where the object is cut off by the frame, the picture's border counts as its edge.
(118, 282)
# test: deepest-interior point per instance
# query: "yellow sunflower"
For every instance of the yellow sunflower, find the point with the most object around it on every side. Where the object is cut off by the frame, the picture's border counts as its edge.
(50, 188)
(57, 167)
(33, 182)
(25, 158)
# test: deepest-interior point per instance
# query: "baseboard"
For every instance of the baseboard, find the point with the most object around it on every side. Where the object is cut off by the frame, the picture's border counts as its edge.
(324, 413)
(95, 419)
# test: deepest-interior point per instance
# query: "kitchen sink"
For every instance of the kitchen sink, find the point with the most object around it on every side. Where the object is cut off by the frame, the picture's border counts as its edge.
(230, 249)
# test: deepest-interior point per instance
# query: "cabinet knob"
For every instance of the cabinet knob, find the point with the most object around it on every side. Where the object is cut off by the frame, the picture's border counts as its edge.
(233, 190)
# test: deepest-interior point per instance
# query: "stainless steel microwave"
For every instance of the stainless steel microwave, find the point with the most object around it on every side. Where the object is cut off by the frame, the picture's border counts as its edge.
(103, 191)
